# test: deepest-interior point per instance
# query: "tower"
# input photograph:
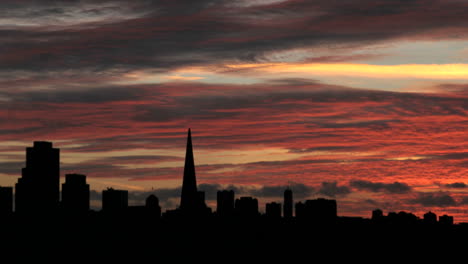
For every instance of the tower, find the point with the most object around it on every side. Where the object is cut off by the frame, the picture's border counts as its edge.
(38, 189)
(75, 194)
(225, 203)
(191, 201)
(288, 203)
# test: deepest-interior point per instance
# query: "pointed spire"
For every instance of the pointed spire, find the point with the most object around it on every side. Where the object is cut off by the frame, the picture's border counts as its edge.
(189, 184)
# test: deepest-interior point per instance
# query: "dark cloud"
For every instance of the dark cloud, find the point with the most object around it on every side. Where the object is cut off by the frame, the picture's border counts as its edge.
(166, 34)
(90, 95)
(457, 185)
(332, 189)
(299, 191)
(11, 167)
(434, 199)
(396, 187)
(464, 201)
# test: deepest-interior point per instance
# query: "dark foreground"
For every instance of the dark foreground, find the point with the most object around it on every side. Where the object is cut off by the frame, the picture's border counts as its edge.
(71, 239)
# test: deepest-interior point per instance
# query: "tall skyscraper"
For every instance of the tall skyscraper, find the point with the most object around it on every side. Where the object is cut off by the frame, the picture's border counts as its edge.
(6, 201)
(225, 203)
(288, 204)
(75, 194)
(192, 201)
(38, 189)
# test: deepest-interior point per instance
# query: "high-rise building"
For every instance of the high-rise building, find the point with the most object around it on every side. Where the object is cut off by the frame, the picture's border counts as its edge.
(152, 206)
(273, 210)
(75, 194)
(38, 189)
(6, 201)
(288, 204)
(446, 220)
(430, 218)
(114, 200)
(246, 207)
(192, 201)
(225, 203)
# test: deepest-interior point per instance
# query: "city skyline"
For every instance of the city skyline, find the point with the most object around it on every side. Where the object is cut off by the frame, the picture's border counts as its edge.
(363, 102)
(37, 194)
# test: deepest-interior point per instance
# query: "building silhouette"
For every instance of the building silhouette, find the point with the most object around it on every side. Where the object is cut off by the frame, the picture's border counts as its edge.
(246, 207)
(38, 189)
(446, 220)
(288, 204)
(225, 203)
(430, 218)
(319, 210)
(377, 215)
(75, 194)
(6, 201)
(114, 200)
(152, 206)
(192, 201)
(273, 210)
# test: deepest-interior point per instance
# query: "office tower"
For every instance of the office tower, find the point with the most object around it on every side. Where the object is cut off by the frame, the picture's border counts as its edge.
(225, 203)
(6, 201)
(273, 210)
(288, 203)
(75, 194)
(246, 207)
(152, 206)
(114, 200)
(430, 218)
(38, 188)
(192, 201)
(446, 220)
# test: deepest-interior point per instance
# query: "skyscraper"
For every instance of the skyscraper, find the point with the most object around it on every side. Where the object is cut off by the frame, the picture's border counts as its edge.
(75, 194)
(192, 201)
(288, 204)
(225, 203)
(6, 201)
(38, 189)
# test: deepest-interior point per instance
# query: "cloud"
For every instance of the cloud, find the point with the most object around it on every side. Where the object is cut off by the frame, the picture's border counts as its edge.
(13, 168)
(440, 199)
(464, 201)
(151, 34)
(332, 189)
(299, 190)
(456, 185)
(396, 187)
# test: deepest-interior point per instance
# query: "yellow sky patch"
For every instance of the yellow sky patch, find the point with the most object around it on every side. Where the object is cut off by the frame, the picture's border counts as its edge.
(424, 71)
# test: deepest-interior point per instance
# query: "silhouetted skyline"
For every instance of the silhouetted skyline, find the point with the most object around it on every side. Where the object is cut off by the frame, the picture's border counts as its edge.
(237, 224)
(38, 188)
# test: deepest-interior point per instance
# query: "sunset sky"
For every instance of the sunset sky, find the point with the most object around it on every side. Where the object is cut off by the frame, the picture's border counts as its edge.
(361, 101)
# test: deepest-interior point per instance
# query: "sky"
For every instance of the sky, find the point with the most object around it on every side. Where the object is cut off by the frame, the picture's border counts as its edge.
(365, 102)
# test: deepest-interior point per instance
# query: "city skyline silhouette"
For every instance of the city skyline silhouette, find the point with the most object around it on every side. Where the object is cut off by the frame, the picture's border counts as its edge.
(37, 192)
(71, 226)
